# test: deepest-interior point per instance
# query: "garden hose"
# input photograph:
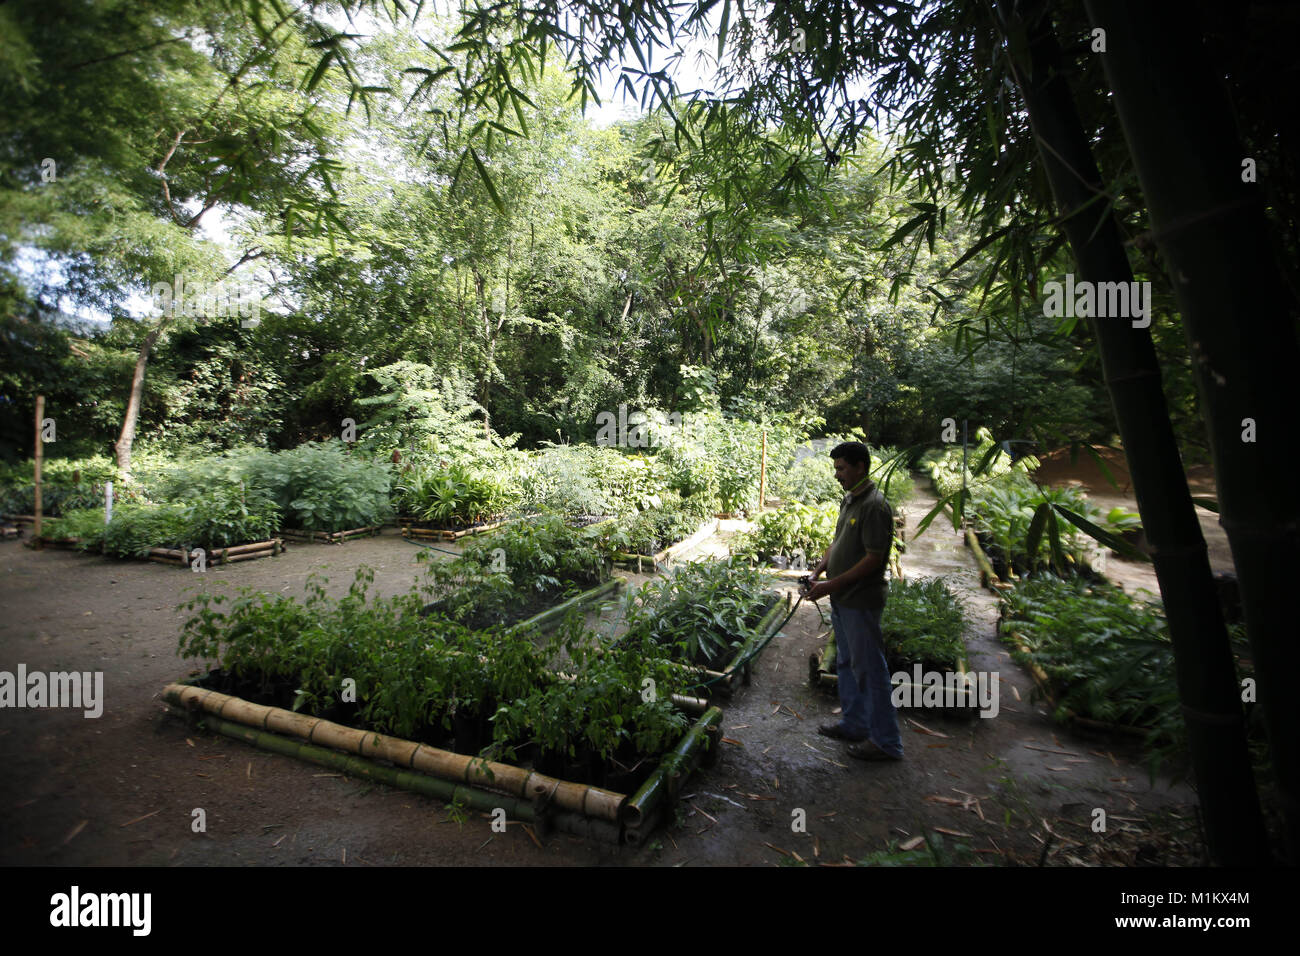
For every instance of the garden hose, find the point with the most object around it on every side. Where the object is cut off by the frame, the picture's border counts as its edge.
(430, 547)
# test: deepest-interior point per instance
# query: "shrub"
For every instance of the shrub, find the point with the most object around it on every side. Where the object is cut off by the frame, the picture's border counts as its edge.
(790, 529)
(559, 479)
(945, 465)
(1004, 511)
(136, 528)
(453, 496)
(514, 572)
(923, 622)
(702, 610)
(228, 514)
(1106, 656)
(320, 487)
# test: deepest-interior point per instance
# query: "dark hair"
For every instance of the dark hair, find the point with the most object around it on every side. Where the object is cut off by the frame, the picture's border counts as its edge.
(854, 452)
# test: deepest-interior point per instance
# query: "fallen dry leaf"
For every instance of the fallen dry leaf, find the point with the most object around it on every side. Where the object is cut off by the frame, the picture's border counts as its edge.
(922, 729)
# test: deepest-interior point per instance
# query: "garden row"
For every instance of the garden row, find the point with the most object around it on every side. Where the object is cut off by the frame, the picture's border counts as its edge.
(1101, 660)
(472, 697)
(1020, 526)
(326, 491)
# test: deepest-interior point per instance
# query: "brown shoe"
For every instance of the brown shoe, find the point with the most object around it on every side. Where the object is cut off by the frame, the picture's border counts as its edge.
(866, 750)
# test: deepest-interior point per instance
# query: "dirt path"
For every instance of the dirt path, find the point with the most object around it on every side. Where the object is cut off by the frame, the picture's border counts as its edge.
(123, 788)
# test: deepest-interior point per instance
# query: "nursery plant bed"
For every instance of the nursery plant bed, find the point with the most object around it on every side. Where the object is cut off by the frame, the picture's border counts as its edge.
(62, 544)
(822, 676)
(180, 557)
(768, 624)
(524, 794)
(670, 554)
(723, 683)
(413, 528)
(548, 618)
(327, 537)
(1044, 685)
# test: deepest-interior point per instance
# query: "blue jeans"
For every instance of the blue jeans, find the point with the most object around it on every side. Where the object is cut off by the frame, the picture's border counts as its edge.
(866, 694)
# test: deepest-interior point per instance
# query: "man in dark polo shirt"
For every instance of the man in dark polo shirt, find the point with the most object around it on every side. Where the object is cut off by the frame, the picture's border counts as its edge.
(855, 569)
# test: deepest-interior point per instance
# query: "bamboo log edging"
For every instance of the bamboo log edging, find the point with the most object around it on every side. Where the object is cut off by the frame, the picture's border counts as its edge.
(456, 768)
(330, 537)
(551, 617)
(664, 783)
(409, 530)
(62, 544)
(762, 630)
(701, 534)
(180, 557)
(428, 786)
(822, 676)
(987, 574)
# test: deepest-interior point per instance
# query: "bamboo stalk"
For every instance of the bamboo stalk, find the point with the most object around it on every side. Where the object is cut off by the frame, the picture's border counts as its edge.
(702, 533)
(691, 705)
(265, 553)
(360, 767)
(1216, 739)
(246, 548)
(764, 626)
(39, 457)
(457, 768)
(637, 835)
(1220, 250)
(987, 574)
(662, 784)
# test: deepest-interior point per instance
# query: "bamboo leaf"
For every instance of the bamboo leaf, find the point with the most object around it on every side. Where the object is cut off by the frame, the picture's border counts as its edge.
(1111, 541)
(1035, 534)
(487, 182)
(319, 72)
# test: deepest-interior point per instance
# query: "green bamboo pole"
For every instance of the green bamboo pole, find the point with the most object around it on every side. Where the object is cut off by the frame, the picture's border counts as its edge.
(1204, 667)
(38, 456)
(551, 617)
(987, 574)
(455, 768)
(1213, 236)
(359, 767)
(662, 785)
(637, 835)
(765, 625)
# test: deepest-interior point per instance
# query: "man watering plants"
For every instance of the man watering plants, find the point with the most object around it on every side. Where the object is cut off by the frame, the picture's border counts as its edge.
(855, 583)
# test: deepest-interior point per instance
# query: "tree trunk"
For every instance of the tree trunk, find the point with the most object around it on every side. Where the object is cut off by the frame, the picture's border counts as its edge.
(1240, 325)
(485, 379)
(1204, 668)
(127, 438)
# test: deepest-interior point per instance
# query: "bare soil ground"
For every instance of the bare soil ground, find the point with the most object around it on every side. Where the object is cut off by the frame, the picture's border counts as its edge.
(122, 789)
